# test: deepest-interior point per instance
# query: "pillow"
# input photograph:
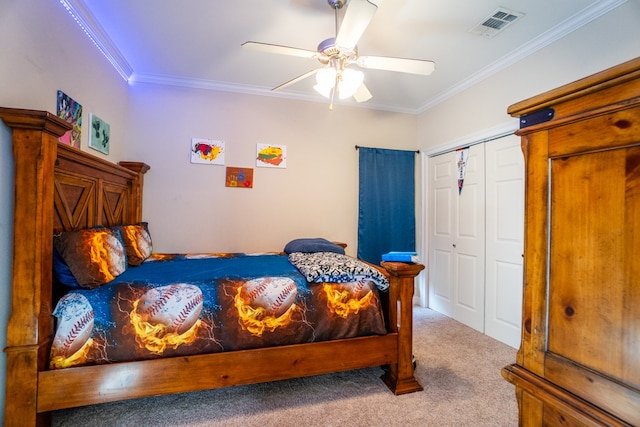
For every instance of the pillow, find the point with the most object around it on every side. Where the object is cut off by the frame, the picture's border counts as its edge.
(312, 245)
(61, 271)
(137, 242)
(336, 268)
(95, 256)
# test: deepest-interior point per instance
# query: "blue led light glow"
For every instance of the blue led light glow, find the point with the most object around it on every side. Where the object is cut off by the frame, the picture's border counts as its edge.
(92, 29)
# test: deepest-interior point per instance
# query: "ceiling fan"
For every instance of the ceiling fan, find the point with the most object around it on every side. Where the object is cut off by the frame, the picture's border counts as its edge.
(336, 54)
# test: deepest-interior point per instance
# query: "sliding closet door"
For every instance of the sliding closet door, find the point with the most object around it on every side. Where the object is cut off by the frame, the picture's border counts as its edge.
(442, 193)
(457, 221)
(476, 238)
(505, 235)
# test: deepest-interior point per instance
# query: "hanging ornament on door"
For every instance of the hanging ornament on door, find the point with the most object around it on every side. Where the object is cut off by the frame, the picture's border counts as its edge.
(462, 154)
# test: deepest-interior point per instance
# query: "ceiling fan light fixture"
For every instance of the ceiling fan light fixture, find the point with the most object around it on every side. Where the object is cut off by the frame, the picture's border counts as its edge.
(325, 80)
(336, 53)
(326, 76)
(323, 90)
(350, 81)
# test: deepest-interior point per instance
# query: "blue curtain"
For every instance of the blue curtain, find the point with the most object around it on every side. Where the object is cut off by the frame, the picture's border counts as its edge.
(386, 217)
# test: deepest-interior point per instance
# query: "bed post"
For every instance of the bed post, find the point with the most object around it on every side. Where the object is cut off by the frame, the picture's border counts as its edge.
(29, 330)
(399, 377)
(138, 184)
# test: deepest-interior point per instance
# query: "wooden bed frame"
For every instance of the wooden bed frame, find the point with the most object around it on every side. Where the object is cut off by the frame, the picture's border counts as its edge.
(61, 188)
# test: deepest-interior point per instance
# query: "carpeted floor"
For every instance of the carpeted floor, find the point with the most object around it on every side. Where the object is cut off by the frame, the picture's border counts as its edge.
(458, 367)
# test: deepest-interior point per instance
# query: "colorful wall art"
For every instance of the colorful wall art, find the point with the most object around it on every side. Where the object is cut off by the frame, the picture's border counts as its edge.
(271, 156)
(99, 134)
(70, 111)
(239, 177)
(207, 151)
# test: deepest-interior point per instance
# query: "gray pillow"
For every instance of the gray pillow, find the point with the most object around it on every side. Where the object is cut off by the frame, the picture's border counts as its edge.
(310, 245)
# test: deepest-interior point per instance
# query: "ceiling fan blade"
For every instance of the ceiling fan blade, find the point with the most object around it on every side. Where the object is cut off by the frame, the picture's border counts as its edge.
(296, 79)
(356, 19)
(362, 94)
(402, 65)
(282, 50)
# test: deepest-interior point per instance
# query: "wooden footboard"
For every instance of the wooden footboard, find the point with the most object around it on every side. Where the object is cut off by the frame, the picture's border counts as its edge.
(59, 188)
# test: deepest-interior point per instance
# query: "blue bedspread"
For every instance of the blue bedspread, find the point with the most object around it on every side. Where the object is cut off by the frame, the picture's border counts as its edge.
(175, 305)
(204, 267)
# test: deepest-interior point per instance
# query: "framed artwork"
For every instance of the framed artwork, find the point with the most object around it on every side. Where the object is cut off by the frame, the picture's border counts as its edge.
(207, 151)
(99, 134)
(271, 156)
(69, 110)
(239, 177)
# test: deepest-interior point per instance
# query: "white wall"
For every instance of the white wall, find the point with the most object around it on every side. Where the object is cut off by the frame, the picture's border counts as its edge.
(607, 41)
(43, 50)
(190, 209)
(482, 109)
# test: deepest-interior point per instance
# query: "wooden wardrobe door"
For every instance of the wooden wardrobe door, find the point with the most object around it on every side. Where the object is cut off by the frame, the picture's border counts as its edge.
(593, 324)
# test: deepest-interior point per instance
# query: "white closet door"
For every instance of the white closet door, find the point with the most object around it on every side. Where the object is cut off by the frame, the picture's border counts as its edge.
(456, 265)
(468, 245)
(442, 194)
(504, 239)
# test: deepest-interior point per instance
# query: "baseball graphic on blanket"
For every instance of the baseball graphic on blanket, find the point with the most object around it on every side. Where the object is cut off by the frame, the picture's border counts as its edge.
(176, 306)
(75, 324)
(357, 290)
(274, 294)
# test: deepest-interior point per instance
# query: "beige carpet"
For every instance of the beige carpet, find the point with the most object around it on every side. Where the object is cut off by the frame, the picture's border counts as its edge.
(458, 367)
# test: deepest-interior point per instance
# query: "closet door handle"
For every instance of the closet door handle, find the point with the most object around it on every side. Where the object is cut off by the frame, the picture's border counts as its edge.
(454, 245)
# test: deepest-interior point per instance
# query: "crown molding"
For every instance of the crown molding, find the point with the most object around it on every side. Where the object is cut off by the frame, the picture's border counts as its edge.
(569, 25)
(498, 131)
(79, 12)
(94, 31)
(166, 80)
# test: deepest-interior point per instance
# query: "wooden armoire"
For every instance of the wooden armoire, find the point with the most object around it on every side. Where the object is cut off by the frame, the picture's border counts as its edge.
(579, 359)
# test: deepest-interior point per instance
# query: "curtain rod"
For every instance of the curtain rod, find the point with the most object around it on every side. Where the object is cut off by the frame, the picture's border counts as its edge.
(417, 151)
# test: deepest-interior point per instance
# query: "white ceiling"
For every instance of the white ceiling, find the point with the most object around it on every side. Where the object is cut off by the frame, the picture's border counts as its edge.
(197, 43)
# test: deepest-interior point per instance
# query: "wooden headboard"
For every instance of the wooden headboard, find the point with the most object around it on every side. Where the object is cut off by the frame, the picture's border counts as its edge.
(89, 191)
(57, 188)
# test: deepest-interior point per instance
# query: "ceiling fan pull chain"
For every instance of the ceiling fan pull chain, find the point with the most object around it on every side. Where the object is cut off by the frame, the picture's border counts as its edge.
(333, 91)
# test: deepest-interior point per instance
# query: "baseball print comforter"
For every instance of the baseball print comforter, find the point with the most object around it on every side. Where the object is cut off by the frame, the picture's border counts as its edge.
(173, 305)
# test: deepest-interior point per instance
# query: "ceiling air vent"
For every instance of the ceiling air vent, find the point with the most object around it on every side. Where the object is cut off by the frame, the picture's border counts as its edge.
(495, 23)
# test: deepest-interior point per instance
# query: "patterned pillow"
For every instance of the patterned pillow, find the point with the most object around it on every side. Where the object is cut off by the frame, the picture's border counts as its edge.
(95, 256)
(336, 268)
(137, 242)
